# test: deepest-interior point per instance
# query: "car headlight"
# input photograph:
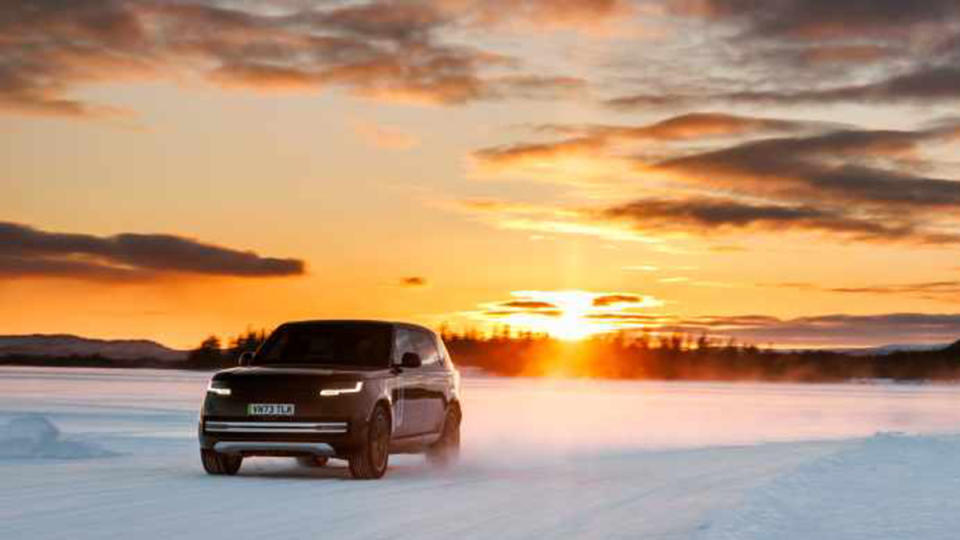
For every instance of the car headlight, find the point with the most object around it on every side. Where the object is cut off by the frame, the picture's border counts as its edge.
(330, 392)
(219, 388)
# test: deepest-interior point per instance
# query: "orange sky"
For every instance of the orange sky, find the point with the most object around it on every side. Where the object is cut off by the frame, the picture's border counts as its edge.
(709, 168)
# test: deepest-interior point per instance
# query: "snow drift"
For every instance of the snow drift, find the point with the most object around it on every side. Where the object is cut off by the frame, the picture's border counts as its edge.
(35, 436)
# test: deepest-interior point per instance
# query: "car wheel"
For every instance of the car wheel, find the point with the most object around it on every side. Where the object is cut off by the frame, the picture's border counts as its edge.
(370, 461)
(312, 461)
(446, 451)
(217, 463)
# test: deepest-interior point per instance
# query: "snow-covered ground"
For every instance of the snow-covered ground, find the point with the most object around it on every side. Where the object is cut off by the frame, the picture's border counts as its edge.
(88, 453)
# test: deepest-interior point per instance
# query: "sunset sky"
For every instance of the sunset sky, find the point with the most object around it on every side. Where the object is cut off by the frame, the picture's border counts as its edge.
(782, 171)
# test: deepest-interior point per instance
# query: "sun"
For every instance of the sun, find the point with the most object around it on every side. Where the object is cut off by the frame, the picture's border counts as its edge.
(570, 320)
(570, 315)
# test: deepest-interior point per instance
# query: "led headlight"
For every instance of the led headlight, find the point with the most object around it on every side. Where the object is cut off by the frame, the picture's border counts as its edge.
(219, 388)
(330, 392)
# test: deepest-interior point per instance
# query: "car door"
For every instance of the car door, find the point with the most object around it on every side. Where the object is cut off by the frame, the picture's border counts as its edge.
(405, 386)
(432, 383)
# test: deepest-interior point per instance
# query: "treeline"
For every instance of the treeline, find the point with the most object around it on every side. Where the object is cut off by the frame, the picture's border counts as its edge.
(685, 357)
(612, 356)
(211, 354)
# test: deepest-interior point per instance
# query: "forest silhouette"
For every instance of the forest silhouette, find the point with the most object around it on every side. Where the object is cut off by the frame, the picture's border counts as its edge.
(620, 355)
(626, 355)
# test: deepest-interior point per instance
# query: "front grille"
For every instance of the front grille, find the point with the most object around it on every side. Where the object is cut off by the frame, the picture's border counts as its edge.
(275, 427)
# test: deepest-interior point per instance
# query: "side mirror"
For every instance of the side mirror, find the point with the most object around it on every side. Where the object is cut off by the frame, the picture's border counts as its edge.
(245, 358)
(410, 360)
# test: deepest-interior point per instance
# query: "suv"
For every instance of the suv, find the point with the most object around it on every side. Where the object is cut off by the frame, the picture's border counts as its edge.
(354, 390)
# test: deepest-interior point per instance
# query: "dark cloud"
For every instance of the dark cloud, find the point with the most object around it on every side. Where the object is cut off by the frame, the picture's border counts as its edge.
(413, 281)
(20, 267)
(595, 138)
(383, 49)
(613, 299)
(924, 84)
(812, 52)
(838, 164)
(817, 20)
(710, 214)
(528, 304)
(25, 251)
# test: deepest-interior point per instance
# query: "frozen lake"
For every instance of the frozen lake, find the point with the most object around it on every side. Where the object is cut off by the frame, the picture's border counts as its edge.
(541, 458)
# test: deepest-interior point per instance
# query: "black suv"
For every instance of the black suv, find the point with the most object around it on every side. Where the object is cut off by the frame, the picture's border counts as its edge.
(354, 390)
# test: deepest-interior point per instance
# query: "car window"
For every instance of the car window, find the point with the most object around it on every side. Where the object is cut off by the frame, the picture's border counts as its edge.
(404, 342)
(427, 349)
(361, 345)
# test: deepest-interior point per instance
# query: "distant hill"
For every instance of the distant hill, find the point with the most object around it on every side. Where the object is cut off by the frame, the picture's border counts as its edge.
(65, 345)
(890, 349)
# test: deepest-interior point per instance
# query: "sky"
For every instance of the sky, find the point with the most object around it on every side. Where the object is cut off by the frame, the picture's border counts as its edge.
(781, 171)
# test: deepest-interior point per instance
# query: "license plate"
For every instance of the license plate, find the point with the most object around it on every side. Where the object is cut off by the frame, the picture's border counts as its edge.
(270, 409)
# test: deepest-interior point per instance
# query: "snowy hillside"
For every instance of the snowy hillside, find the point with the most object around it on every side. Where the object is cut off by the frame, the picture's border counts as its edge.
(68, 345)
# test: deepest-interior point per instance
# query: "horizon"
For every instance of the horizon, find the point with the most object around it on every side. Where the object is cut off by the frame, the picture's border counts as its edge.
(173, 171)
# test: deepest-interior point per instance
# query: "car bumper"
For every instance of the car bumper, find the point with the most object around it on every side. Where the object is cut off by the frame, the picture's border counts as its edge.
(339, 434)
(274, 448)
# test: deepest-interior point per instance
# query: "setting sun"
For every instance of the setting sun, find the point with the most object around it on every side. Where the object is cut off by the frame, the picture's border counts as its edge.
(570, 315)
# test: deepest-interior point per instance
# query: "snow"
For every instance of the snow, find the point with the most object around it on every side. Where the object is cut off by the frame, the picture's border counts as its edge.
(34, 436)
(541, 458)
(887, 486)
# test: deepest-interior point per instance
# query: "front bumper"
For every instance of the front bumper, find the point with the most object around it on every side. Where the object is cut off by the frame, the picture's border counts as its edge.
(279, 427)
(338, 434)
(268, 448)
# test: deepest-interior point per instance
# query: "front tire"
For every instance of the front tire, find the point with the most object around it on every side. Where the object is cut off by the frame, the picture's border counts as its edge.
(370, 461)
(217, 463)
(446, 451)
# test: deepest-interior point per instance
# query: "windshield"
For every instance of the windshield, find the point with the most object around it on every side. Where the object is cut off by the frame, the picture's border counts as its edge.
(354, 345)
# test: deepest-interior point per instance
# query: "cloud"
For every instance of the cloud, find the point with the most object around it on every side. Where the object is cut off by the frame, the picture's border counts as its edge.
(841, 329)
(593, 139)
(614, 299)
(25, 252)
(528, 304)
(818, 20)
(595, 16)
(838, 164)
(926, 84)
(413, 281)
(807, 52)
(382, 49)
(713, 215)
(856, 184)
(835, 330)
(948, 291)
(689, 126)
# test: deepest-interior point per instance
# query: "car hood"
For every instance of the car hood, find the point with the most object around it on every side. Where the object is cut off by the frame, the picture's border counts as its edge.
(303, 373)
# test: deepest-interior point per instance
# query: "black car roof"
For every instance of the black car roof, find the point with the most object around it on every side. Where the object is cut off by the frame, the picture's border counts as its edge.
(361, 321)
